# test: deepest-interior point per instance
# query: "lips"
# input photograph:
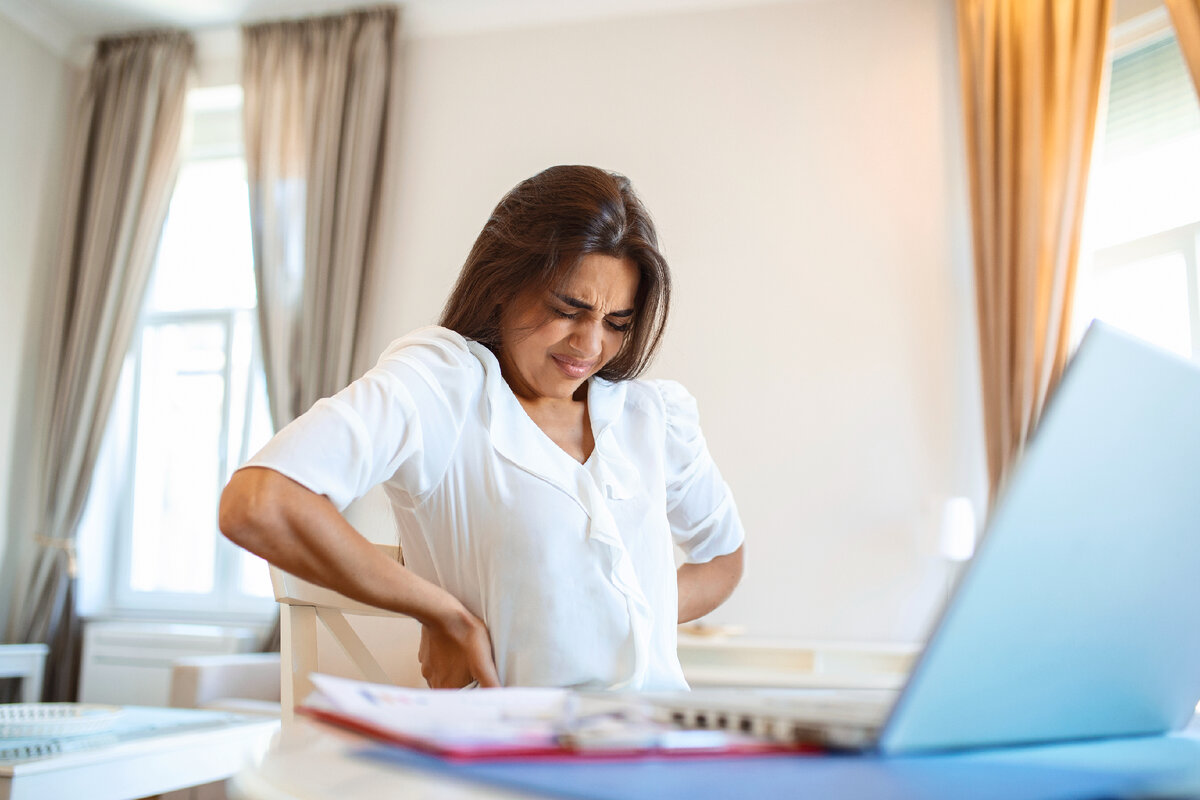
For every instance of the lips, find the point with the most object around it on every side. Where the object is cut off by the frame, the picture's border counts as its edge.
(573, 367)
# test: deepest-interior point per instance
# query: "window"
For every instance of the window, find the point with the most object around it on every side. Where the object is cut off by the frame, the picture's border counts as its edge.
(192, 402)
(1138, 268)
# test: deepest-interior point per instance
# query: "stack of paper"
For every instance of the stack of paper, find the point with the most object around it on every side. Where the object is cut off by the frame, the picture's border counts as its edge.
(509, 723)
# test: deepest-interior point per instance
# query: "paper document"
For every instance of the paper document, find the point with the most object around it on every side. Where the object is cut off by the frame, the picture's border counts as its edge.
(517, 722)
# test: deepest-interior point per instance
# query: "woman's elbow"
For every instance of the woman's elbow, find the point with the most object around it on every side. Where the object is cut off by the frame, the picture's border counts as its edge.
(244, 512)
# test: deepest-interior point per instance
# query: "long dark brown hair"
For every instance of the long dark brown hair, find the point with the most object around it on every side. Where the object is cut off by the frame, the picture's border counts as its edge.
(535, 238)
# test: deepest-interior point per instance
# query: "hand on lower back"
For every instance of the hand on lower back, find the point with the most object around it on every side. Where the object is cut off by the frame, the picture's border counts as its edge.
(457, 652)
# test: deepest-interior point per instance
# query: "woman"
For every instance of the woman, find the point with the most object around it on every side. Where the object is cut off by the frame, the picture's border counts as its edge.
(537, 485)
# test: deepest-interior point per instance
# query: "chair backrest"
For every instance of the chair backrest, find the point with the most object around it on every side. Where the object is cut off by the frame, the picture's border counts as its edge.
(301, 605)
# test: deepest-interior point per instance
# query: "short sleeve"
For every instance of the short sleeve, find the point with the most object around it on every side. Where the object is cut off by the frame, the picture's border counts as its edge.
(401, 421)
(700, 508)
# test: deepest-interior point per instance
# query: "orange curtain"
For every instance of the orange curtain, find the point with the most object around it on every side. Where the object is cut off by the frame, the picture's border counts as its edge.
(1185, 16)
(1031, 74)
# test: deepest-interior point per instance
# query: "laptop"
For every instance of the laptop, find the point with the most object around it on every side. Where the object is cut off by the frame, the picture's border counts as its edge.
(1079, 617)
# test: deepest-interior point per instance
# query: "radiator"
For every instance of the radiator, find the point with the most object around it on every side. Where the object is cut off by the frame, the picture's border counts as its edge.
(129, 663)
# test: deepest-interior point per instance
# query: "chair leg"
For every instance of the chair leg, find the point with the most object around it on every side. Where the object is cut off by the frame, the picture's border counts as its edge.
(298, 656)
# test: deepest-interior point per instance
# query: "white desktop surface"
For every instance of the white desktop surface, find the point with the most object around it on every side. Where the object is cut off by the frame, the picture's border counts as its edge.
(309, 760)
(148, 751)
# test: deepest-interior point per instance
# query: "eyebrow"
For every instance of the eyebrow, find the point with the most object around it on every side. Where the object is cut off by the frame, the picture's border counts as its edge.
(574, 303)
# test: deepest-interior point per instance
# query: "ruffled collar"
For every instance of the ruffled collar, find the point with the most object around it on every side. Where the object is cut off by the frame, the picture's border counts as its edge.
(521, 441)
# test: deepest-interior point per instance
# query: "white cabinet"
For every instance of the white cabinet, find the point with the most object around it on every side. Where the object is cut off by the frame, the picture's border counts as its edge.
(129, 663)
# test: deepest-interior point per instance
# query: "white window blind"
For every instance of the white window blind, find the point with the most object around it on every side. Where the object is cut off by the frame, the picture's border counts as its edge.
(1150, 101)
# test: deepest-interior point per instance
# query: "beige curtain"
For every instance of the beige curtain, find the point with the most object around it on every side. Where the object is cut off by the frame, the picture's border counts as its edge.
(123, 160)
(316, 103)
(1031, 73)
(1185, 16)
(316, 114)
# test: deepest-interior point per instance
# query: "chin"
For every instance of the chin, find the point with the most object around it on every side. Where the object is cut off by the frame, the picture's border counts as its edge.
(564, 389)
(568, 391)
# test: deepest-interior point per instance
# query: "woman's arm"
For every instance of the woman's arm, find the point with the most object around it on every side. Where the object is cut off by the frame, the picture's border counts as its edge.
(302, 533)
(703, 587)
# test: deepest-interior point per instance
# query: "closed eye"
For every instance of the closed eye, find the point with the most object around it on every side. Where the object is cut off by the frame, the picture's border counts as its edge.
(619, 327)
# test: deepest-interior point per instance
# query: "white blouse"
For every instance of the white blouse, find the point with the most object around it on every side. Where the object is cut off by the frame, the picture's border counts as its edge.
(569, 565)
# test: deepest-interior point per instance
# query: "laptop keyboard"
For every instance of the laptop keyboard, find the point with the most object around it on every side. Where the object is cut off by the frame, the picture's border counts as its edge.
(844, 718)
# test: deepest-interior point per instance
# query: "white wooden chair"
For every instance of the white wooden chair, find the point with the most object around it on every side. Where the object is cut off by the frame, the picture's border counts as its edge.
(302, 641)
(27, 662)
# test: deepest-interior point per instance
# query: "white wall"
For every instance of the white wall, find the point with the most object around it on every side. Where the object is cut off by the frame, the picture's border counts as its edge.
(35, 91)
(804, 165)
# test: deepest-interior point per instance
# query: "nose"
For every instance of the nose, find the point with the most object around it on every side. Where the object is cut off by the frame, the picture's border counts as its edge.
(586, 337)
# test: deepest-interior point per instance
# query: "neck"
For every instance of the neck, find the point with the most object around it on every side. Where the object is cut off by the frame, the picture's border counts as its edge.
(552, 406)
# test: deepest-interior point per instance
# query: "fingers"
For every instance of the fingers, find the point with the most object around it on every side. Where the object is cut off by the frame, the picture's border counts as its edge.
(486, 676)
(483, 664)
(483, 670)
(423, 656)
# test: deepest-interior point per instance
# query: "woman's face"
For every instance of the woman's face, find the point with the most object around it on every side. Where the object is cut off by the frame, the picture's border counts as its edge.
(553, 341)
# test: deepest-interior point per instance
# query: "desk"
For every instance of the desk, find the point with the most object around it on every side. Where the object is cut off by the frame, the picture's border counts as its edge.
(313, 761)
(147, 752)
